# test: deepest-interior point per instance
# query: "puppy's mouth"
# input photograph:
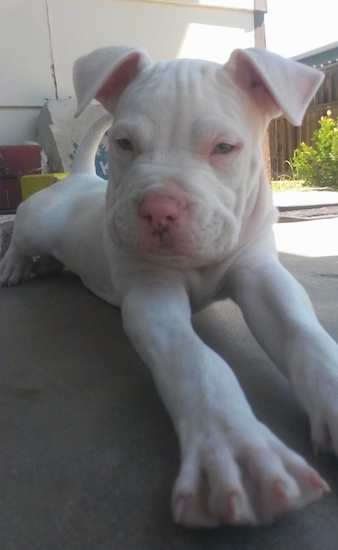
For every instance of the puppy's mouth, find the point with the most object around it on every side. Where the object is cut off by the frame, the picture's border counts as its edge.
(162, 247)
(163, 240)
(171, 249)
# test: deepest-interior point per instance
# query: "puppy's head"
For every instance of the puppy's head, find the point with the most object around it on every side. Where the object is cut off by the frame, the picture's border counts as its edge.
(185, 165)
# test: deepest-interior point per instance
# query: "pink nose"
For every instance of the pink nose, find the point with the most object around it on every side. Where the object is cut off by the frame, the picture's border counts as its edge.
(160, 213)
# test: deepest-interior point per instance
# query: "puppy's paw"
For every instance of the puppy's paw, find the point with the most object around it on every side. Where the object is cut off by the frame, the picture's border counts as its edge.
(242, 479)
(15, 269)
(315, 384)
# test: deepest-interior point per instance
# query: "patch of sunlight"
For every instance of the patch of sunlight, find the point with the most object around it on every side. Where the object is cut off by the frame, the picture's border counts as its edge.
(314, 239)
(211, 42)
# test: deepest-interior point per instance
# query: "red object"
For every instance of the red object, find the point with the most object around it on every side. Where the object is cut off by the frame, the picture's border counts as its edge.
(16, 161)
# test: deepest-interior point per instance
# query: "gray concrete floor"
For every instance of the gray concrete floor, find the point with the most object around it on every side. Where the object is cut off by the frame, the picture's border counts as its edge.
(88, 452)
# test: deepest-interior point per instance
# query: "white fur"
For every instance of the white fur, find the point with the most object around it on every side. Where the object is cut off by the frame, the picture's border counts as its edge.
(186, 219)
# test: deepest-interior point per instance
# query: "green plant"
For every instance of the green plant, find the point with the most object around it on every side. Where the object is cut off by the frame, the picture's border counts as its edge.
(288, 185)
(318, 164)
(292, 170)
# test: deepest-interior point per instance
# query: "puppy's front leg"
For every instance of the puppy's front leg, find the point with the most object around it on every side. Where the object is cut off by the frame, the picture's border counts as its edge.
(233, 469)
(281, 317)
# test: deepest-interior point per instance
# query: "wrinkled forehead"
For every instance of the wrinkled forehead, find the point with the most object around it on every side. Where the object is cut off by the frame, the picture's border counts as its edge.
(197, 86)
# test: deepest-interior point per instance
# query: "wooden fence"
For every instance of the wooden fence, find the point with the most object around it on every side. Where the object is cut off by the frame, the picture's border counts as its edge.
(285, 138)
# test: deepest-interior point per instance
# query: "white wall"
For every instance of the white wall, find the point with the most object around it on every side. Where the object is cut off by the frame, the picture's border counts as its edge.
(40, 40)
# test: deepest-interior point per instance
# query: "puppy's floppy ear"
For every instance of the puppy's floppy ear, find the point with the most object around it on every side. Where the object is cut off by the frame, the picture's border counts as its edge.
(105, 73)
(281, 85)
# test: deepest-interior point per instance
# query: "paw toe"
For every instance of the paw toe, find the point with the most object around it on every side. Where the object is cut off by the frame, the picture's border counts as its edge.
(254, 486)
(15, 269)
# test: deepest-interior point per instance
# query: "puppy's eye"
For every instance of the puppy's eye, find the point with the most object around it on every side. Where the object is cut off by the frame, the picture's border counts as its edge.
(125, 144)
(222, 149)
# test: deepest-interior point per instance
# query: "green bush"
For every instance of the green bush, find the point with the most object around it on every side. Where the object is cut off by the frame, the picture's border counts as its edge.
(318, 165)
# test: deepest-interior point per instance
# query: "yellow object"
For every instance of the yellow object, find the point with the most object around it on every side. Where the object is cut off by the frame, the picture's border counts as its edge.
(32, 184)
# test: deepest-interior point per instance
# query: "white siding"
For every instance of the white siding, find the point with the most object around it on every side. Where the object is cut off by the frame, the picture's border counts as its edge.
(40, 40)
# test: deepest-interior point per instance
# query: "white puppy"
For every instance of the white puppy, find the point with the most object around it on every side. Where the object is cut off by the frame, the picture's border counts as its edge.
(186, 219)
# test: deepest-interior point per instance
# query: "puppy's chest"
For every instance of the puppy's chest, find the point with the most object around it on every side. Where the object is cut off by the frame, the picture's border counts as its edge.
(206, 286)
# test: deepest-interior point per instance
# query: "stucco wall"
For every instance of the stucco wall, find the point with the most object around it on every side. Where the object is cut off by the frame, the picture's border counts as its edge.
(40, 39)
